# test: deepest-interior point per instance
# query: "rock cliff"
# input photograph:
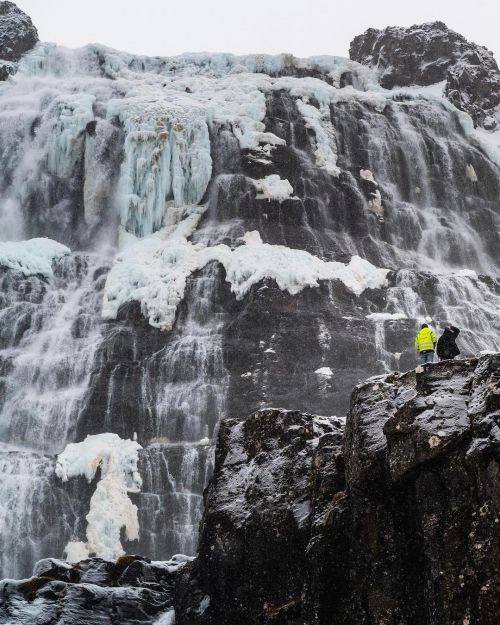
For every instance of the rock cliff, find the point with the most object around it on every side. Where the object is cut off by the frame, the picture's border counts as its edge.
(431, 53)
(398, 524)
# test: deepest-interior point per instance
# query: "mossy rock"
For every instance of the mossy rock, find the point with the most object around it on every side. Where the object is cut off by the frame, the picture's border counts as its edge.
(126, 560)
(31, 586)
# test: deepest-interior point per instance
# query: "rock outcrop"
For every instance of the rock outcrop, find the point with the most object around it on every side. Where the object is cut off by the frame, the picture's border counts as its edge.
(17, 36)
(132, 591)
(406, 534)
(431, 53)
(256, 528)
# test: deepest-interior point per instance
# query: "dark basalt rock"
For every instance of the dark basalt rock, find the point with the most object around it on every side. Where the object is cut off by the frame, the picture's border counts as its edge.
(131, 591)
(17, 36)
(429, 53)
(267, 488)
(407, 534)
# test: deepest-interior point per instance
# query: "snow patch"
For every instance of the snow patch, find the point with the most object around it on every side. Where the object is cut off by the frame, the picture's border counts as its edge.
(319, 121)
(366, 174)
(76, 552)
(488, 141)
(466, 273)
(32, 257)
(324, 372)
(168, 618)
(433, 91)
(273, 188)
(384, 316)
(205, 602)
(110, 507)
(470, 172)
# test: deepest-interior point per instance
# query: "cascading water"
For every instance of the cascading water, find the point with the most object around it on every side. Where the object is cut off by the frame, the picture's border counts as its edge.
(49, 369)
(189, 400)
(48, 343)
(203, 177)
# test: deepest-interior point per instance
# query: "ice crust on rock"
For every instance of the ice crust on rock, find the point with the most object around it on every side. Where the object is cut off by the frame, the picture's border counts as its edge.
(32, 257)
(166, 108)
(72, 113)
(154, 270)
(167, 155)
(110, 507)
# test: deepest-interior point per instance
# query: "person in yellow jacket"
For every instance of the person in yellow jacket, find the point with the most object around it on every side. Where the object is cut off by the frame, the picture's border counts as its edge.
(425, 344)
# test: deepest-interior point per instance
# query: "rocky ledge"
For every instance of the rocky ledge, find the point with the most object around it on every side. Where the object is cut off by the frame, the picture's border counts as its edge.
(431, 53)
(132, 591)
(392, 518)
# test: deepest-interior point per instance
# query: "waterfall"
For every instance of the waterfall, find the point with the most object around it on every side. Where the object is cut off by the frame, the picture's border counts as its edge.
(141, 166)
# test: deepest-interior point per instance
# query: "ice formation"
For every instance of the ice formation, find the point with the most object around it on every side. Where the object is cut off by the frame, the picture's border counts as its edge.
(318, 120)
(154, 270)
(110, 507)
(166, 108)
(324, 372)
(71, 114)
(273, 188)
(385, 316)
(32, 257)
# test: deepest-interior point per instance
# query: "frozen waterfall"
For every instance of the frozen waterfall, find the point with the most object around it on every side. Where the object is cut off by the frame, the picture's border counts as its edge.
(244, 232)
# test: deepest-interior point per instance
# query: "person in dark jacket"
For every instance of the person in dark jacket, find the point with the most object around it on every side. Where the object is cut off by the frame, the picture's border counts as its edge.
(446, 346)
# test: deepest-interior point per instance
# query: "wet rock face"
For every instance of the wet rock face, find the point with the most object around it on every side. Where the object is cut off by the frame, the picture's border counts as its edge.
(424, 496)
(256, 527)
(430, 53)
(131, 591)
(405, 534)
(17, 33)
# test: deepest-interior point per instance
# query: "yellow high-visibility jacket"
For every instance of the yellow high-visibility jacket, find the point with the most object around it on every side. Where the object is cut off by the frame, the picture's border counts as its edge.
(426, 340)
